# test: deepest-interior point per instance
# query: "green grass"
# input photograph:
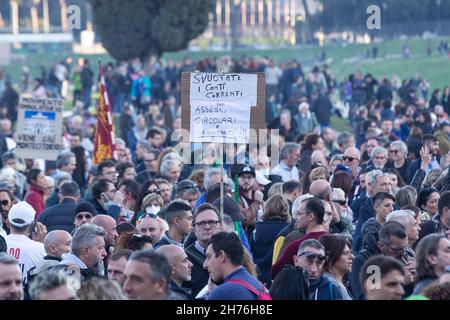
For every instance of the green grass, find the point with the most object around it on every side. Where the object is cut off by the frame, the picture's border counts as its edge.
(342, 60)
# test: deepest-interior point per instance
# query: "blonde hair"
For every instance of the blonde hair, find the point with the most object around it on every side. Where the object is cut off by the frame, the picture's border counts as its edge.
(150, 198)
(317, 172)
(276, 207)
(100, 289)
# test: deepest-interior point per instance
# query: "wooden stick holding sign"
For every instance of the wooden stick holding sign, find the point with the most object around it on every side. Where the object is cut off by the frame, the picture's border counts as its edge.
(222, 108)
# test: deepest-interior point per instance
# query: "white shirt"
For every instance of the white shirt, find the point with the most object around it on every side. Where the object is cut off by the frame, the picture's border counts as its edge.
(286, 173)
(28, 252)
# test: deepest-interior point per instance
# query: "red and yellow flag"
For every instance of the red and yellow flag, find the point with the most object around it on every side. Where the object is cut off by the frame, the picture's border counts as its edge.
(104, 141)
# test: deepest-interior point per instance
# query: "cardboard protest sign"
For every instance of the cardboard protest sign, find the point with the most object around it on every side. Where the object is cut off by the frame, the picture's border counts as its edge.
(221, 108)
(39, 128)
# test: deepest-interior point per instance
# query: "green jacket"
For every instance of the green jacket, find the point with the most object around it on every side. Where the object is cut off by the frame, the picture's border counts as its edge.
(444, 141)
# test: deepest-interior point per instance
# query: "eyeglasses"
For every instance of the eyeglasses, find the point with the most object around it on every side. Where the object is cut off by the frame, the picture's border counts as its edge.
(5, 202)
(115, 173)
(349, 159)
(394, 151)
(202, 224)
(312, 256)
(396, 250)
(81, 216)
(341, 202)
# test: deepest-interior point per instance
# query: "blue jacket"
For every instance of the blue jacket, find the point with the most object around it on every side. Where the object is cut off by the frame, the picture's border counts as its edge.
(324, 289)
(261, 244)
(235, 291)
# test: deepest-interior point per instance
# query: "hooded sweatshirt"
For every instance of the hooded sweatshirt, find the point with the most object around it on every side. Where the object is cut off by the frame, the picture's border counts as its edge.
(324, 289)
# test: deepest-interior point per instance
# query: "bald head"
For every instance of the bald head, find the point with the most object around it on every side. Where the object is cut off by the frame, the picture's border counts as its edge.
(318, 157)
(352, 152)
(320, 189)
(181, 266)
(109, 224)
(171, 252)
(57, 242)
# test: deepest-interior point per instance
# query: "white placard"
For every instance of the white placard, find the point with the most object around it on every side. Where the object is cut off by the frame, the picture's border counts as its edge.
(220, 107)
(39, 128)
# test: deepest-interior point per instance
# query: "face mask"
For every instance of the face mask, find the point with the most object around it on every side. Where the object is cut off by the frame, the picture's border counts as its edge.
(265, 172)
(108, 203)
(153, 209)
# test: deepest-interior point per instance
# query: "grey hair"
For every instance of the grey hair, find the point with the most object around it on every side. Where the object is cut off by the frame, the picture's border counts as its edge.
(288, 148)
(208, 174)
(7, 259)
(120, 141)
(339, 157)
(378, 150)
(63, 158)
(297, 203)
(401, 216)
(373, 175)
(166, 164)
(311, 243)
(86, 236)
(145, 145)
(47, 280)
(406, 195)
(158, 263)
(343, 138)
(401, 145)
(50, 179)
(172, 156)
(61, 178)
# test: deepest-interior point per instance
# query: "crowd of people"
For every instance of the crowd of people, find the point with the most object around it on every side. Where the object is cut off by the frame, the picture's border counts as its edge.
(363, 214)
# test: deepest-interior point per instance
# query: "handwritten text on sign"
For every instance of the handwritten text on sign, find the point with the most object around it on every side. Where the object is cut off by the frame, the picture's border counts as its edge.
(39, 128)
(220, 107)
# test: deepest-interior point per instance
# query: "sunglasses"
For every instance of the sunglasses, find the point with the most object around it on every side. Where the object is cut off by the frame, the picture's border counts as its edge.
(5, 202)
(349, 159)
(393, 151)
(81, 216)
(312, 256)
(341, 202)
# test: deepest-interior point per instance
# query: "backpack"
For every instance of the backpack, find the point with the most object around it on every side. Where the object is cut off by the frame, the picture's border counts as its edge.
(260, 295)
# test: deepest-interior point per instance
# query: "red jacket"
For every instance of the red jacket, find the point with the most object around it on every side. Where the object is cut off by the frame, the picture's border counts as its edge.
(291, 251)
(35, 197)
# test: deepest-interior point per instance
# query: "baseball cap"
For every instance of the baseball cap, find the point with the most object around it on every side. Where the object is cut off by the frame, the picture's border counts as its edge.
(261, 179)
(230, 208)
(246, 169)
(187, 184)
(443, 124)
(21, 214)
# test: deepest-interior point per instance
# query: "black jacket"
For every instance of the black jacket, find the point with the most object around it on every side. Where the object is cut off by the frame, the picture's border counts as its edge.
(357, 204)
(3, 246)
(355, 284)
(369, 235)
(367, 211)
(199, 276)
(261, 245)
(179, 293)
(432, 226)
(60, 216)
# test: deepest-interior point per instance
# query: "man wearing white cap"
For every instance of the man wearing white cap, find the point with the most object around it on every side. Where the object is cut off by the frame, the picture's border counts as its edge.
(19, 245)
